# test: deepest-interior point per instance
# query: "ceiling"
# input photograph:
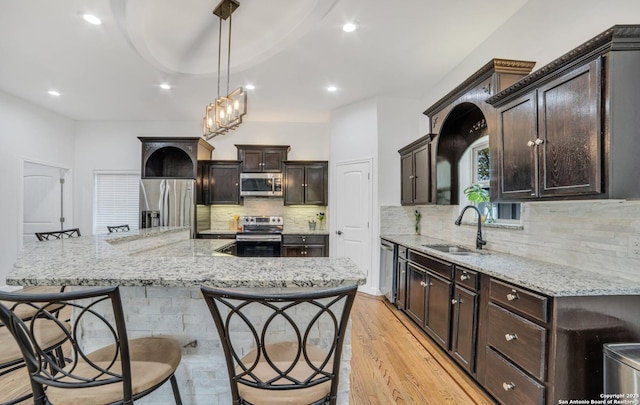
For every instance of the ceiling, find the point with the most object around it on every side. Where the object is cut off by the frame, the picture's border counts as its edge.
(291, 50)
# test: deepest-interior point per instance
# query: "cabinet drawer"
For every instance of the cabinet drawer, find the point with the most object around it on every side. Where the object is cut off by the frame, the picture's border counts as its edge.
(439, 267)
(467, 278)
(522, 341)
(303, 239)
(520, 300)
(402, 251)
(510, 385)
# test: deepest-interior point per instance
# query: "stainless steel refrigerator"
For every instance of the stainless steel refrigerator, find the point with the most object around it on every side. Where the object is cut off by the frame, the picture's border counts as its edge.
(167, 202)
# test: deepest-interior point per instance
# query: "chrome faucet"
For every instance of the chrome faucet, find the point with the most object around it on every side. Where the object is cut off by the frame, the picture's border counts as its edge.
(479, 241)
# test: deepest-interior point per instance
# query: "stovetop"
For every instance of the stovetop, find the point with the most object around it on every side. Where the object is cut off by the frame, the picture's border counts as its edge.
(262, 224)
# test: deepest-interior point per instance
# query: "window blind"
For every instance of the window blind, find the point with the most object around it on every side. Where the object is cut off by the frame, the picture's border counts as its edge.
(116, 200)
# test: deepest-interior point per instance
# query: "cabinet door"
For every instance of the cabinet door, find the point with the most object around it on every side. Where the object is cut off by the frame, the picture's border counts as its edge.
(223, 184)
(272, 160)
(202, 183)
(315, 185)
(292, 251)
(438, 313)
(463, 339)
(315, 251)
(294, 184)
(251, 160)
(416, 293)
(421, 175)
(406, 179)
(569, 149)
(518, 132)
(401, 283)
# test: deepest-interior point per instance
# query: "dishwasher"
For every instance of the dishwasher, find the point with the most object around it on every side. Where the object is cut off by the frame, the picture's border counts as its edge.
(387, 280)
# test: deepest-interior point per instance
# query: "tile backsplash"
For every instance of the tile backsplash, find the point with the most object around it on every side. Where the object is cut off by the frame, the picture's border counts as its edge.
(296, 218)
(597, 235)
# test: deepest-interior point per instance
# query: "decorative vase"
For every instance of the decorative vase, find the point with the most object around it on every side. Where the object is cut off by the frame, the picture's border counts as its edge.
(490, 216)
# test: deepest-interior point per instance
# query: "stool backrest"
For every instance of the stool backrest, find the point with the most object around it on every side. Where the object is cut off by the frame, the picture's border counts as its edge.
(118, 228)
(281, 342)
(111, 366)
(66, 233)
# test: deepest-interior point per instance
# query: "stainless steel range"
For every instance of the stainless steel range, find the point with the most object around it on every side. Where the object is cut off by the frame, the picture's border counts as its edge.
(261, 236)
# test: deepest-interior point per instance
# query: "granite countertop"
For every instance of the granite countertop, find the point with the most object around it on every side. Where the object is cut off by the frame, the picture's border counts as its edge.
(547, 278)
(166, 257)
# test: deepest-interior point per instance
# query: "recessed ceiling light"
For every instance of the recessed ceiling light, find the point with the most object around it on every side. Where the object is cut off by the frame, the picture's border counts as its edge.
(165, 86)
(249, 87)
(54, 93)
(332, 88)
(350, 27)
(92, 19)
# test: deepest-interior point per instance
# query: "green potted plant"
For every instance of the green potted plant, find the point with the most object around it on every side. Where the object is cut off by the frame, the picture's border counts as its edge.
(478, 194)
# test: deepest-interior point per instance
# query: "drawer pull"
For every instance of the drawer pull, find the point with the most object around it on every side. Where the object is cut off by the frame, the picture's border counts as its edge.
(510, 336)
(512, 296)
(454, 301)
(422, 283)
(508, 386)
(464, 276)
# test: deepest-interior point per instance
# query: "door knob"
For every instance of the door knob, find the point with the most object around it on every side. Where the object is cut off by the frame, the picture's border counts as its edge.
(339, 232)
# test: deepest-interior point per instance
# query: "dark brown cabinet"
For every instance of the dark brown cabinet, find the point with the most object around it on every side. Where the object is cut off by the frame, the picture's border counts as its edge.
(173, 157)
(566, 131)
(464, 322)
(429, 290)
(262, 158)
(218, 182)
(550, 138)
(415, 172)
(401, 277)
(306, 182)
(303, 245)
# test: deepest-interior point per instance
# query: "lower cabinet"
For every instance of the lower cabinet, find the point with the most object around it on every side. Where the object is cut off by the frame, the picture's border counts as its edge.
(429, 289)
(302, 245)
(401, 277)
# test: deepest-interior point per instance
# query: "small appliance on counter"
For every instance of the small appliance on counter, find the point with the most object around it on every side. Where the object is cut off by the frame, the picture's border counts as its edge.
(261, 236)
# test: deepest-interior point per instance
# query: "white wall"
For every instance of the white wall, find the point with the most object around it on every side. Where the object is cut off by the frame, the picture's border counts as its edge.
(27, 133)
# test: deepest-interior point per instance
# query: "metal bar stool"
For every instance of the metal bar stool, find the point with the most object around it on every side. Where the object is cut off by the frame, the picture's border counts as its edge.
(282, 348)
(117, 373)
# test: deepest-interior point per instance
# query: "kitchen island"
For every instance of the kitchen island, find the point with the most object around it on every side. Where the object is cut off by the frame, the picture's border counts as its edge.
(160, 271)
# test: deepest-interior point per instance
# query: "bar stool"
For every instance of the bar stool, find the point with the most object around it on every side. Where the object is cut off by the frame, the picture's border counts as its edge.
(282, 348)
(118, 228)
(66, 233)
(118, 373)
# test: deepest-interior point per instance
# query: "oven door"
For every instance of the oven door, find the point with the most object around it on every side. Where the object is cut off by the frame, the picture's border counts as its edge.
(252, 245)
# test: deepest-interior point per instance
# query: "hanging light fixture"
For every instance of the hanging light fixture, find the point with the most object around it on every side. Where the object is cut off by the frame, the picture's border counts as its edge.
(227, 111)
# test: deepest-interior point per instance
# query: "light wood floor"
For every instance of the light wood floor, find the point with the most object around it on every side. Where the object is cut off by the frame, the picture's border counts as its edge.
(393, 362)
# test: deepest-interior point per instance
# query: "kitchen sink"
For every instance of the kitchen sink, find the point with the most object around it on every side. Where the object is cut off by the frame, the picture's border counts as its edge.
(453, 249)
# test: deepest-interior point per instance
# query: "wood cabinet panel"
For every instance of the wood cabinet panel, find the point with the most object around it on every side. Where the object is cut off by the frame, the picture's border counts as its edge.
(438, 313)
(518, 339)
(415, 172)
(510, 385)
(464, 327)
(468, 278)
(306, 183)
(416, 293)
(294, 184)
(570, 129)
(224, 183)
(262, 158)
(303, 245)
(518, 129)
(437, 266)
(520, 300)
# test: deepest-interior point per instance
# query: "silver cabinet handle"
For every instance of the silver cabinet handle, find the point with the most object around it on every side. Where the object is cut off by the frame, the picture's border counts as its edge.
(510, 336)
(539, 141)
(464, 276)
(512, 296)
(530, 143)
(412, 176)
(508, 386)
(454, 301)
(423, 284)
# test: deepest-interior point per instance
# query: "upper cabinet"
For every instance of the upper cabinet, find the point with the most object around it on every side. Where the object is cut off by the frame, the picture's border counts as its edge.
(306, 182)
(218, 182)
(462, 117)
(172, 157)
(415, 172)
(569, 130)
(262, 158)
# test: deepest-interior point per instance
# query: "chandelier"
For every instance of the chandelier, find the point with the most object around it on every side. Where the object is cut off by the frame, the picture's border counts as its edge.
(226, 112)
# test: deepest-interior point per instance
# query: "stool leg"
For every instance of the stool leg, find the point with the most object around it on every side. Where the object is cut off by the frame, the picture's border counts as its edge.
(176, 391)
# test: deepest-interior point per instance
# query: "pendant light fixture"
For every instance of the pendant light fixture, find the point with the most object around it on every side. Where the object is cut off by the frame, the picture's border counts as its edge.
(227, 111)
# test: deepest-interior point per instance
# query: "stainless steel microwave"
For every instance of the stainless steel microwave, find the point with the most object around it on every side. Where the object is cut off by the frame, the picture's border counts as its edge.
(261, 184)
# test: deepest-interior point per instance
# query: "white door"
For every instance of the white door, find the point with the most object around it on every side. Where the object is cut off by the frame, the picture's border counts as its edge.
(353, 213)
(42, 204)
